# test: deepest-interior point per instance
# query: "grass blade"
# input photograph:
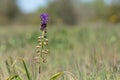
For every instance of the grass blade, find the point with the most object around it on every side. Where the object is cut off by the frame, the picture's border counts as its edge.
(55, 76)
(8, 67)
(26, 69)
(16, 77)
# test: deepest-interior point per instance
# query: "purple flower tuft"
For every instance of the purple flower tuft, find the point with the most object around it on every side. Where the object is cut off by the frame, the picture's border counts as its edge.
(44, 20)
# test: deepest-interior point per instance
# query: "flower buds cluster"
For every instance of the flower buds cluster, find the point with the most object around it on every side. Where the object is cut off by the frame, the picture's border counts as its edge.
(41, 49)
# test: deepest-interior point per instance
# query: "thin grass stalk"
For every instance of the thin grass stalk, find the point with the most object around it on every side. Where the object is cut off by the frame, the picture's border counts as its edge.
(26, 69)
(8, 67)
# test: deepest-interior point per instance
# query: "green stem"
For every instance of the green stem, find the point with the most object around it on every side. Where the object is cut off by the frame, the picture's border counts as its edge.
(40, 56)
(43, 34)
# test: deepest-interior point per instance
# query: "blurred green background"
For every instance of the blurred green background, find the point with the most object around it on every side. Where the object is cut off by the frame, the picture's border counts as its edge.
(68, 12)
(83, 36)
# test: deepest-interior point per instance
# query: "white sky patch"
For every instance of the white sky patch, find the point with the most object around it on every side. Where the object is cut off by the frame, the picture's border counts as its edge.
(28, 6)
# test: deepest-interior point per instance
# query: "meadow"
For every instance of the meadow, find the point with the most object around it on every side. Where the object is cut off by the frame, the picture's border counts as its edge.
(85, 52)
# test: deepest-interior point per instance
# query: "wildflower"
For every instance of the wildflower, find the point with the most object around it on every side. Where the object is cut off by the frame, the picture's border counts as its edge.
(44, 20)
(41, 48)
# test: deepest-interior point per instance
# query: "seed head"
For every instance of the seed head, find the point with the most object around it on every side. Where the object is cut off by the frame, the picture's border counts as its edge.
(46, 40)
(40, 37)
(45, 43)
(43, 51)
(47, 50)
(38, 47)
(39, 40)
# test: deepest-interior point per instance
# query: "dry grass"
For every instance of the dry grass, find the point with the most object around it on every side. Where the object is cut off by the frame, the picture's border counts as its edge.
(89, 53)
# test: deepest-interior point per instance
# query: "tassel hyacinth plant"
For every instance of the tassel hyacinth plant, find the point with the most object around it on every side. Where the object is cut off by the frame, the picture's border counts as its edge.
(41, 52)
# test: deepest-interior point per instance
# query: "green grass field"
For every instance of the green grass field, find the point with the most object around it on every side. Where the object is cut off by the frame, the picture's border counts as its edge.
(83, 52)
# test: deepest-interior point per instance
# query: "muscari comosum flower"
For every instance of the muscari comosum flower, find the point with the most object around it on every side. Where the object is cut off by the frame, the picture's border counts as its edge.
(41, 48)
